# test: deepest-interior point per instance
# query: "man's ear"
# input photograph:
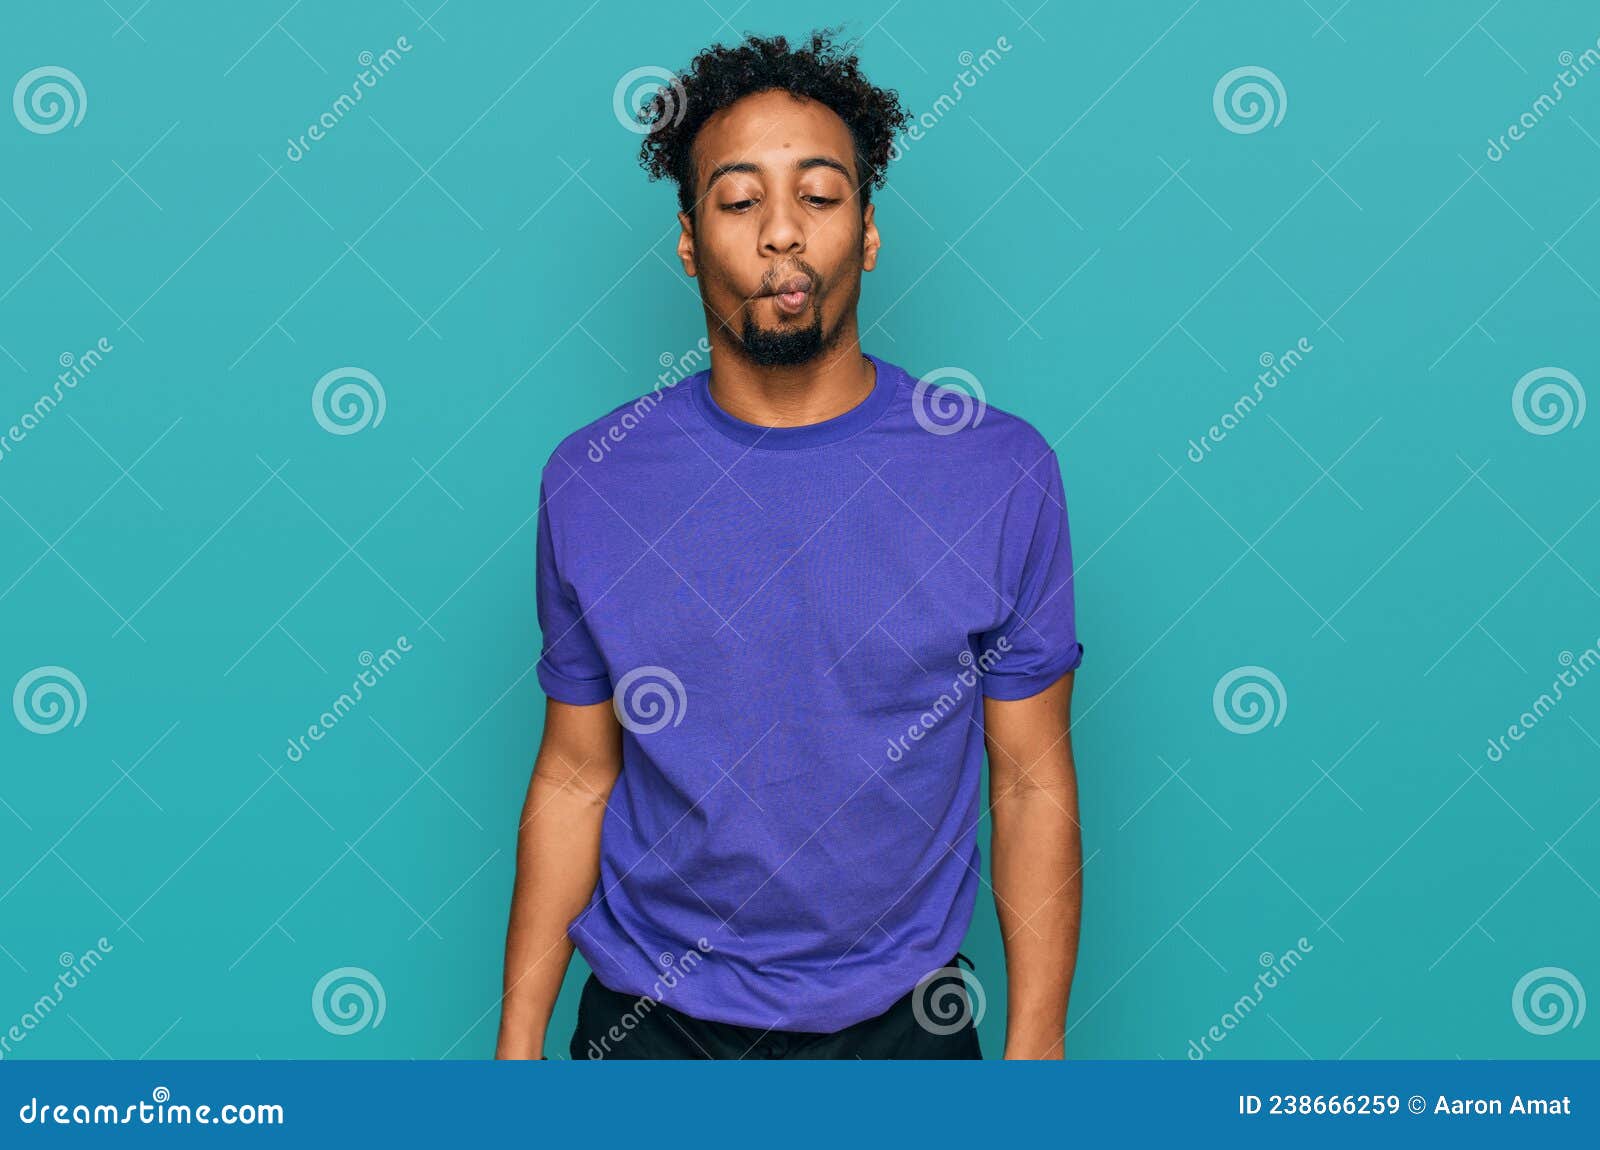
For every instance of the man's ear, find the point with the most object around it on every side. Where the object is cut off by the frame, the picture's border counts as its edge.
(869, 239)
(686, 243)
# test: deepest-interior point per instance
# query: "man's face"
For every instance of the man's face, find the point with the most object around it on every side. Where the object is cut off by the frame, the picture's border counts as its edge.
(778, 239)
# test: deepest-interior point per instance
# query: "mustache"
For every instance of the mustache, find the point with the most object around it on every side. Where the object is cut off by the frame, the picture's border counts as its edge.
(769, 283)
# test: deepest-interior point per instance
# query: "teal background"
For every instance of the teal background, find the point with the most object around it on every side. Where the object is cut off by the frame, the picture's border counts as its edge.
(1381, 532)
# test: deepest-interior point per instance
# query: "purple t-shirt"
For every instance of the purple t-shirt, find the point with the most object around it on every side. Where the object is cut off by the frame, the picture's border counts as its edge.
(795, 626)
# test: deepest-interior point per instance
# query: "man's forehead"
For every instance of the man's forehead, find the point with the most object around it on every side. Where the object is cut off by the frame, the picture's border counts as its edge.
(773, 129)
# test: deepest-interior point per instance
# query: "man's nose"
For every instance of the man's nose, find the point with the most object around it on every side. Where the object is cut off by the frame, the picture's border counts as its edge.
(781, 232)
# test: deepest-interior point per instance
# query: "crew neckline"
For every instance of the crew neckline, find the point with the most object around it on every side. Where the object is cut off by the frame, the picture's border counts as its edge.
(886, 380)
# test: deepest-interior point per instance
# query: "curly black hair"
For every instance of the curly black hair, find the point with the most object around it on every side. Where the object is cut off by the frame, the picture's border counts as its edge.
(819, 69)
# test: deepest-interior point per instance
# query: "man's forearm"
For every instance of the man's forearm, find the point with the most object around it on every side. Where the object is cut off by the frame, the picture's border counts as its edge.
(1037, 865)
(558, 852)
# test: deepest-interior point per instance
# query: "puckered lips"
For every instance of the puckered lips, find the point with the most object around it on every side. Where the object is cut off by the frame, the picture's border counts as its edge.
(791, 294)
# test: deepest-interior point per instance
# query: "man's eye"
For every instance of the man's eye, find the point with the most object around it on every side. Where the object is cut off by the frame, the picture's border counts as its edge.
(737, 205)
(820, 201)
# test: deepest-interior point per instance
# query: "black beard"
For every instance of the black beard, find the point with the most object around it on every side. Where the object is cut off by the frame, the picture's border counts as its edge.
(783, 347)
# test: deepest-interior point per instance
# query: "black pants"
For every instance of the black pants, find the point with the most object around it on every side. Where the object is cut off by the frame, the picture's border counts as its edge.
(931, 1029)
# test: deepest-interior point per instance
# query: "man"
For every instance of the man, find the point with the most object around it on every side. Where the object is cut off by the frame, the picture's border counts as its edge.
(786, 607)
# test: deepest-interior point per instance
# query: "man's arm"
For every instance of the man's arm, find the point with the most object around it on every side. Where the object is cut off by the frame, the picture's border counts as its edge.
(1036, 855)
(558, 864)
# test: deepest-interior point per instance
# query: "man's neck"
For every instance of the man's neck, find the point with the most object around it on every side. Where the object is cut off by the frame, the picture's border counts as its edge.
(837, 380)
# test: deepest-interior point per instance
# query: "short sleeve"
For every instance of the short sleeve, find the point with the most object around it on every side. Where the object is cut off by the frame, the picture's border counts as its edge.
(1037, 643)
(570, 669)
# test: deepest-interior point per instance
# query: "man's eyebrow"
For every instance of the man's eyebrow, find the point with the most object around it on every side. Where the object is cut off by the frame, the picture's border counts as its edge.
(800, 165)
(822, 162)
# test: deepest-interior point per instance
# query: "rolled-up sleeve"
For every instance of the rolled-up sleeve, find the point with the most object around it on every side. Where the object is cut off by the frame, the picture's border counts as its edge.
(1037, 642)
(570, 668)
